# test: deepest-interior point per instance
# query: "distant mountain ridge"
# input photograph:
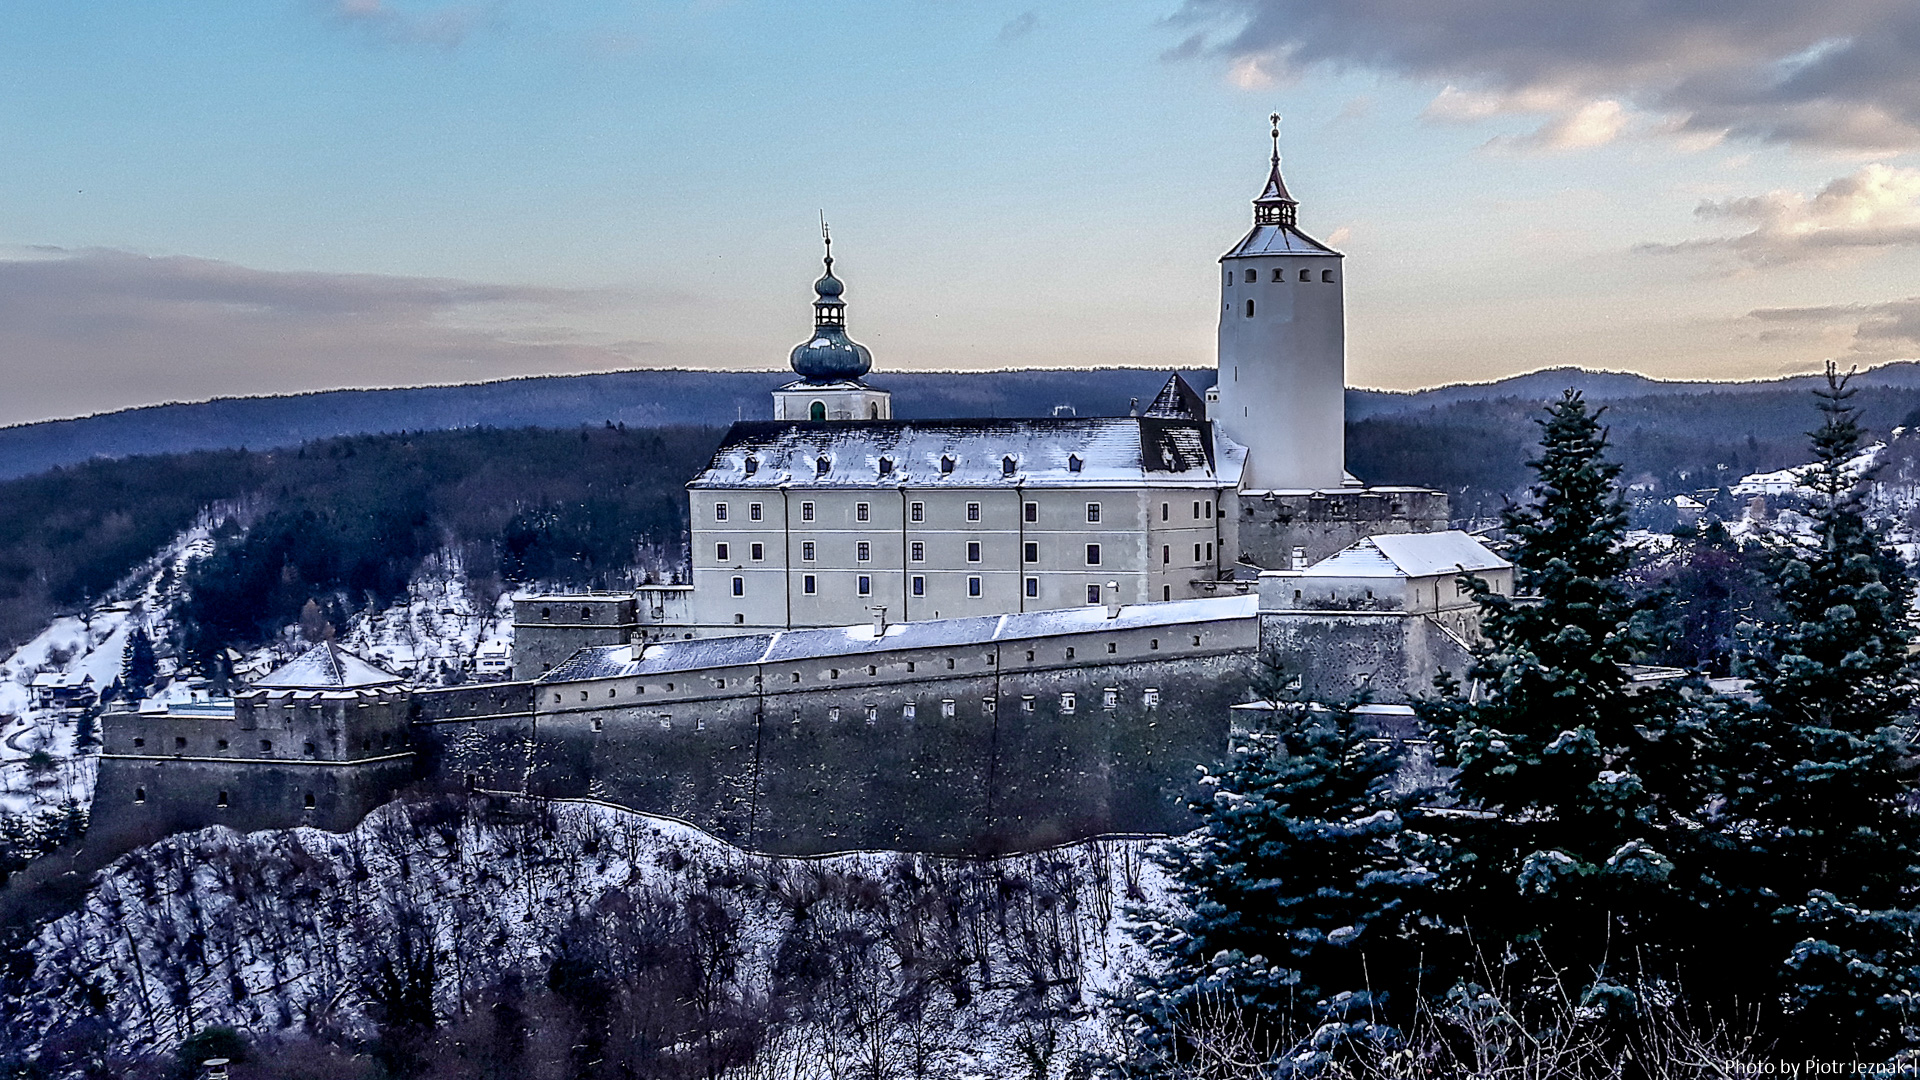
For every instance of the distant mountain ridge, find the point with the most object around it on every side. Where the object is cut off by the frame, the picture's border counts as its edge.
(653, 398)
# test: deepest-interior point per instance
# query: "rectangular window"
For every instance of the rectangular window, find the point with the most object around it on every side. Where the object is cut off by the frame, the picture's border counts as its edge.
(1110, 698)
(1152, 697)
(806, 511)
(1209, 508)
(1093, 512)
(973, 586)
(753, 512)
(863, 551)
(721, 552)
(973, 511)
(918, 511)
(806, 550)
(988, 705)
(863, 511)
(918, 551)
(719, 511)
(946, 707)
(808, 584)
(1093, 554)
(1093, 593)
(907, 711)
(1196, 553)
(1165, 509)
(973, 551)
(758, 551)
(739, 586)
(1209, 552)
(866, 585)
(1196, 511)
(1166, 554)
(919, 585)
(1068, 703)
(1026, 703)
(1033, 511)
(1032, 552)
(1033, 587)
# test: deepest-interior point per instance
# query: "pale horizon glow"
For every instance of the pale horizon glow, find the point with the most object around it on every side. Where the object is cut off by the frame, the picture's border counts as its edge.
(240, 197)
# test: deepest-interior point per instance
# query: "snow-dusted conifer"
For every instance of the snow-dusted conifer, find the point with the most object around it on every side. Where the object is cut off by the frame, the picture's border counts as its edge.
(1818, 842)
(1292, 938)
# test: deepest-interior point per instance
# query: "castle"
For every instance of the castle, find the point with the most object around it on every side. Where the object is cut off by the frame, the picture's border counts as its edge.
(941, 635)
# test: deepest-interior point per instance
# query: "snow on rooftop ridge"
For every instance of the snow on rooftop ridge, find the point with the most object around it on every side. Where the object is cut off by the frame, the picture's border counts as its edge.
(325, 667)
(1409, 555)
(1793, 480)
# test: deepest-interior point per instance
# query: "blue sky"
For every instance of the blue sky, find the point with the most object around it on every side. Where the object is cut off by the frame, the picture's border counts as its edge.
(211, 198)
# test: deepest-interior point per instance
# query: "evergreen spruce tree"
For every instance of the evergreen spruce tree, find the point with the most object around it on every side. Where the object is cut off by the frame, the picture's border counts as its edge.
(1817, 841)
(1300, 888)
(138, 667)
(1571, 858)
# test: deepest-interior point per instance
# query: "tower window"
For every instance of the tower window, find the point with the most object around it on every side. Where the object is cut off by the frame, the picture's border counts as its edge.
(863, 551)
(1306, 275)
(973, 511)
(1093, 512)
(946, 463)
(719, 511)
(1093, 554)
(1033, 512)
(973, 586)
(863, 511)
(817, 411)
(1196, 553)
(1033, 589)
(973, 551)
(1166, 554)
(221, 801)
(917, 551)
(1031, 553)
(873, 410)
(1326, 275)
(310, 794)
(1279, 274)
(739, 586)
(808, 584)
(917, 512)
(919, 585)
(139, 794)
(722, 551)
(1249, 309)
(1252, 276)
(806, 511)
(1165, 509)
(866, 585)
(806, 551)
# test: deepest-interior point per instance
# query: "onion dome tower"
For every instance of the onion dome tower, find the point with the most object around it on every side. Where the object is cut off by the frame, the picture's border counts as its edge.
(830, 364)
(1283, 348)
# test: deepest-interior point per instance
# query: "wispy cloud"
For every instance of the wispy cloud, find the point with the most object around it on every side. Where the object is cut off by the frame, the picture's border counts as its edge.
(82, 331)
(445, 25)
(1879, 331)
(1018, 27)
(1875, 208)
(1839, 74)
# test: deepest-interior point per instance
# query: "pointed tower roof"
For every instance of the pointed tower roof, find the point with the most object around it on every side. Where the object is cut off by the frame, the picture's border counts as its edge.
(1275, 212)
(830, 355)
(1177, 401)
(327, 667)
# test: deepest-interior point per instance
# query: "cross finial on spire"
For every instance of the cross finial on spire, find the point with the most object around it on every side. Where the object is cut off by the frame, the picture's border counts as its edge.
(826, 236)
(1275, 118)
(1274, 206)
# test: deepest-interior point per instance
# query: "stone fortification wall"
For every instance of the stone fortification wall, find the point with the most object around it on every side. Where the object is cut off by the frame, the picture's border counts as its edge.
(1389, 655)
(1288, 530)
(548, 629)
(979, 747)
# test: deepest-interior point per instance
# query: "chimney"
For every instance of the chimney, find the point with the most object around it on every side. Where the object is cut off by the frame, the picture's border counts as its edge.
(879, 621)
(1113, 605)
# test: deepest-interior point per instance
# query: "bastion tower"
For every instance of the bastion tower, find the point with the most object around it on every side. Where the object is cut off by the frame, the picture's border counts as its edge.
(1283, 348)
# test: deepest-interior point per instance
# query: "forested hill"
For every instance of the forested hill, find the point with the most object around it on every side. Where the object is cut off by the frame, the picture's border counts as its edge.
(714, 398)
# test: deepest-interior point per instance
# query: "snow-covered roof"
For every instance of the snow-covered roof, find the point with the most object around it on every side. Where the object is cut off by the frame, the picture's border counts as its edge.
(1792, 480)
(61, 680)
(1409, 555)
(326, 667)
(785, 646)
(1045, 452)
(1278, 240)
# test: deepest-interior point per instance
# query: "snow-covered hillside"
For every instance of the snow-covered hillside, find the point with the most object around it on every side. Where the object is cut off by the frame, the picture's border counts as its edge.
(965, 967)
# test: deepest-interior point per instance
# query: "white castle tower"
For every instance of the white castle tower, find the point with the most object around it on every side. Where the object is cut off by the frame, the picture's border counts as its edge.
(1283, 348)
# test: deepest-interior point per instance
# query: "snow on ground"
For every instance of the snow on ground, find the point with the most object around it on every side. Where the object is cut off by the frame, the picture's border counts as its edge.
(276, 931)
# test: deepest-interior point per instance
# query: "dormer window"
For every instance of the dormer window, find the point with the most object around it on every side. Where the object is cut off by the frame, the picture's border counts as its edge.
(1074, 462)
(751, 465)
(1007, 465)
(821, 464)
(886, 466)
(946, 463)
